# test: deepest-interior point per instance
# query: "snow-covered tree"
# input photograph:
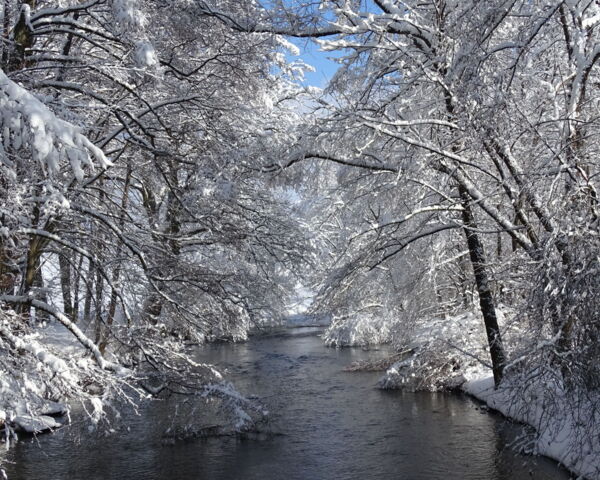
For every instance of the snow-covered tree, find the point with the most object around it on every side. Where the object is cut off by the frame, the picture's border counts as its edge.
(481, 115)
(134, 211)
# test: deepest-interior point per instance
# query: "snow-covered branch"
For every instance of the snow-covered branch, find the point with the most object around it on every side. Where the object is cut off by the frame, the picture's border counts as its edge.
(74, 329)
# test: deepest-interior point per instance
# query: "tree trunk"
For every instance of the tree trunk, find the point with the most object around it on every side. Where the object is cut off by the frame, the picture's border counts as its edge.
(5, 34)
(98, 301)
(486, 300)
(38, 283)
(8, 270)
(76, 288)
(23, 38)
(87, 304)
(112, 308)
(65, 284)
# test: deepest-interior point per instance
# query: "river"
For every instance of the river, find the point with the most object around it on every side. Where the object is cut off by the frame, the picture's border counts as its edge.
(329, 424)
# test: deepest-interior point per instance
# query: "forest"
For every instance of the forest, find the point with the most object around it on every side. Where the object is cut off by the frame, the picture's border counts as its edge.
(169, 179)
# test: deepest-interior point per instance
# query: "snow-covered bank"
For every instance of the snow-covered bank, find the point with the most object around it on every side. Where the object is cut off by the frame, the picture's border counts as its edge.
(41, 371)
(563, 430)
(572, 438)
(46, 375)
(444, 353)
(449, 354)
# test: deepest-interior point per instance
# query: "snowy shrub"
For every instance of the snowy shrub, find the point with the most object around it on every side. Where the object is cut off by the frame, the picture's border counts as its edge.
(358, 330)
(552, 378)
(39, 376)
(439, 354)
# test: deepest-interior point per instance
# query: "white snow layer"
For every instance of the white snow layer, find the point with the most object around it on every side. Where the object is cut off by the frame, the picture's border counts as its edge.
(571, 438)
(35, 424)
(27, 122)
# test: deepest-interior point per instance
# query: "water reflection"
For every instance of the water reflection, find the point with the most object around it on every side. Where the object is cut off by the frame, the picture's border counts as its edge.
(333, 424)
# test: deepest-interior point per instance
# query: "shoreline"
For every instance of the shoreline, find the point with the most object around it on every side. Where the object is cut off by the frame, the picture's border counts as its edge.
(558, 439)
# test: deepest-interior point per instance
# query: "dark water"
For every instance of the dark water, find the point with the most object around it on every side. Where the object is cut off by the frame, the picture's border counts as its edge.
(332, 425)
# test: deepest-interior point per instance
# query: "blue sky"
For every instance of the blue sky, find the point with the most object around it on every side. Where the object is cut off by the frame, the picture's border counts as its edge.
(311, 54)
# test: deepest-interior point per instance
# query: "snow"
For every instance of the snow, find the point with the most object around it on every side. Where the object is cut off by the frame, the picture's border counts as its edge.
(289, 46)
(57, 365)
(301, 300)
(559, 437)
(51, 365)
(25, 120)
(98, 409)
(440, 352)
(35, 424)
(128, 14)
(238, 407)
(50, 408)
(145, 55)
(429, 100)
(359, 329)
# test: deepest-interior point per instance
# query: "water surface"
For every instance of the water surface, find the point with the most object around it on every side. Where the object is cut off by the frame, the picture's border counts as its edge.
(329, 424)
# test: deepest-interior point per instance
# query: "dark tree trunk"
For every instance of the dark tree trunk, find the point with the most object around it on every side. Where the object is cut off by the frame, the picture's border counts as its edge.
(112, 307)
(486, 300)
(99, 303)
(88, 280)
(38, 283)
(32, 263)
(76, 288)
(23, 39)
(5, 35)
(65, 284)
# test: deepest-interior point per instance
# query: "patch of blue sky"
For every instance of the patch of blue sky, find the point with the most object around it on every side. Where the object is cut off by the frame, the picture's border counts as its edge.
(324, 63)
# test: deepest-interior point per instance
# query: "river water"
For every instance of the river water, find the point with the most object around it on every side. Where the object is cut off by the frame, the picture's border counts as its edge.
(328, 424)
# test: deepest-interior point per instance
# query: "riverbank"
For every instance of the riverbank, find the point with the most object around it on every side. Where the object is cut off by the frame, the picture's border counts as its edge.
(568, 438)
(564, 428)
(451, 354)
(561, 430)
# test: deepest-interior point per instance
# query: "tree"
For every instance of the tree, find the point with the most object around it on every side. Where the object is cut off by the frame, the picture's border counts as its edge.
(132, 138)
(435, 88)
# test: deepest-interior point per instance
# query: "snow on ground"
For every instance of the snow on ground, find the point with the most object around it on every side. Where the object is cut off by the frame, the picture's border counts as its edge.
(36, 384)
(35, 424)
(571, 437)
